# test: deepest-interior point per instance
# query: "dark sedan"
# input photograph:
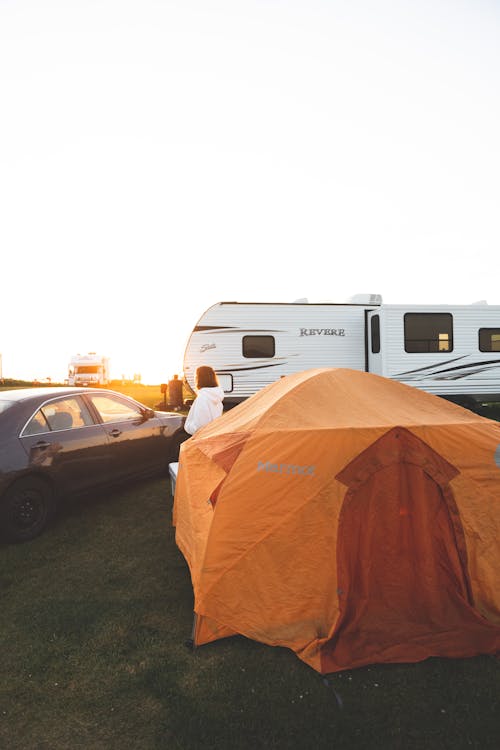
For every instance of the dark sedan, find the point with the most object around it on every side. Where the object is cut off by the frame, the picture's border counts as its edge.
(60, 442)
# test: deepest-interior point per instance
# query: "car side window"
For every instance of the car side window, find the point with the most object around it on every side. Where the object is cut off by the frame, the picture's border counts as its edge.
(66, 414)
(36, 425)
(115, 410)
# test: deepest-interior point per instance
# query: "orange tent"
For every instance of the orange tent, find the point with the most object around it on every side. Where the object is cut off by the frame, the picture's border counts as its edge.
(345, 516)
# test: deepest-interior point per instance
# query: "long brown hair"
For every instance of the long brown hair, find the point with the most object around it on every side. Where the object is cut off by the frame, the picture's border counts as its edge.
(206, 377)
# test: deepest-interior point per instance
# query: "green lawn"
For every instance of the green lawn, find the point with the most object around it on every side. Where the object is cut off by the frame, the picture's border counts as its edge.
(94, 616)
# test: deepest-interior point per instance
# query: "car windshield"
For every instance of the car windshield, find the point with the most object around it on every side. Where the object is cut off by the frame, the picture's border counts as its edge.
(4, 405)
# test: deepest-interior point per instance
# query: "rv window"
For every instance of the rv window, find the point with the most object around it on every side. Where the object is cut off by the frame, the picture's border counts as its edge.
(428, 332)
(489, 339)
(225, 381)
(375, 327)
(258, 346)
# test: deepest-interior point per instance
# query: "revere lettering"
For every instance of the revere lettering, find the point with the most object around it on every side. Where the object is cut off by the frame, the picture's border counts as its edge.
(322, 331)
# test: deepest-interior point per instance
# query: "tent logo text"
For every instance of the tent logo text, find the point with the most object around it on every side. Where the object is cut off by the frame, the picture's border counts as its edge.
(294, 469)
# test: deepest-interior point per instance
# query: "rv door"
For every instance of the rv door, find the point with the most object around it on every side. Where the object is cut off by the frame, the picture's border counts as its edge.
(374, 337)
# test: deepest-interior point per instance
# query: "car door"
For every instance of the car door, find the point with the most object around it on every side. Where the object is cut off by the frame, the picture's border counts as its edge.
(63, 440)
(136, 438)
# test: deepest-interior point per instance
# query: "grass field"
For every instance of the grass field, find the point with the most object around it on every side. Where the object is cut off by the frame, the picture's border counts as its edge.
(94, 616)
(94, 619)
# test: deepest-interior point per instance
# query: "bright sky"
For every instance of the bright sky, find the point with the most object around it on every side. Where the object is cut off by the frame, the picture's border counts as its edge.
(159, 156)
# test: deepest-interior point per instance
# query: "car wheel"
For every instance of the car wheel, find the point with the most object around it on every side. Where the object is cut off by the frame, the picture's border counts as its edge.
(26, 509)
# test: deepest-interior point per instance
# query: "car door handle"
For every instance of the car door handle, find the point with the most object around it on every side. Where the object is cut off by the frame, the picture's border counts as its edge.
(42, 444)
(115, 433)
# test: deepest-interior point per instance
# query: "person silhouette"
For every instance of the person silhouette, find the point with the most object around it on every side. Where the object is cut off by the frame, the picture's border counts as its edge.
(207, 405)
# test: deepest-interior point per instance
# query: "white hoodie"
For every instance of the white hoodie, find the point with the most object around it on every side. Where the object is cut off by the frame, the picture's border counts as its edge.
(206, 407)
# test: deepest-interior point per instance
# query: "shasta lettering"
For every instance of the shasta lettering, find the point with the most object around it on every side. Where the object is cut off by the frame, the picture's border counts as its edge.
(206, 347)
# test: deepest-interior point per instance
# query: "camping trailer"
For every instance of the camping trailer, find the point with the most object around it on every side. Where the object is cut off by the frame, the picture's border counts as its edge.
(88, 369)
(448, 350)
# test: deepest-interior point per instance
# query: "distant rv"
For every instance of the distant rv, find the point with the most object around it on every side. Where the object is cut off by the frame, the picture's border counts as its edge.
(88, 369)
(449, 350)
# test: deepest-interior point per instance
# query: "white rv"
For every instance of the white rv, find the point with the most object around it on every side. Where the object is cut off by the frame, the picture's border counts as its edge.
(449, 350)
(88, 369)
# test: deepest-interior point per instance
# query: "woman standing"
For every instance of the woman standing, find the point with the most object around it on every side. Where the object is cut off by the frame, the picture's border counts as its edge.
(208, 402)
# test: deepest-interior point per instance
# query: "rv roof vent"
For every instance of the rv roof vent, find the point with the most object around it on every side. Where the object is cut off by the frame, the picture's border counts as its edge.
(366, 299)
(480, 302)
(301, 301)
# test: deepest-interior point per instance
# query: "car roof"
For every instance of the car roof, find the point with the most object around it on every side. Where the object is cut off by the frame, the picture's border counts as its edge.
(23, 394)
